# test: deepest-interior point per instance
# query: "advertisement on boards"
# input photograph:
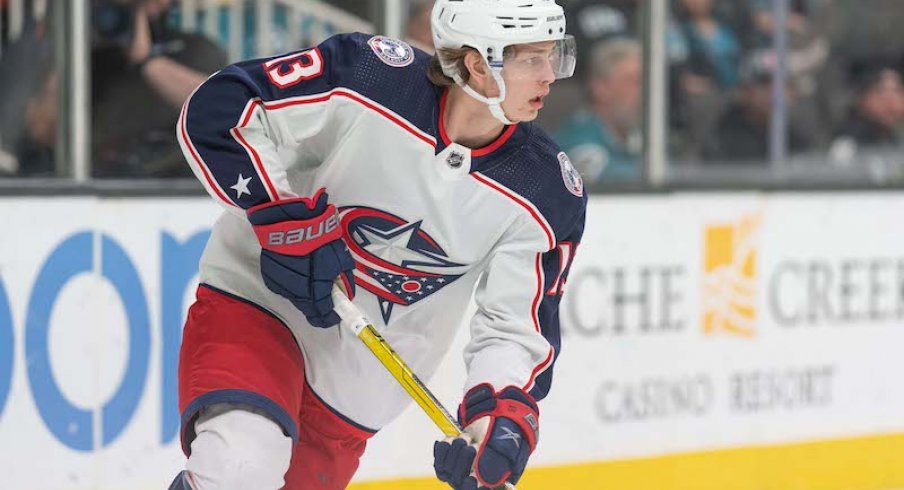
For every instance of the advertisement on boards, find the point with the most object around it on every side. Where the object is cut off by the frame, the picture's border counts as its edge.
(691, 323)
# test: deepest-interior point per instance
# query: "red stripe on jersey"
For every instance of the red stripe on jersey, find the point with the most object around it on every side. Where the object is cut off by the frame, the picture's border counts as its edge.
(550, 236)
(347, 285)
(565, 255)
(486, 150)
(204, 168)
(479, 152)
(261, 171)
(534, 314)
(442, 112)
(539, 370)
(361, 100)
(535, 305)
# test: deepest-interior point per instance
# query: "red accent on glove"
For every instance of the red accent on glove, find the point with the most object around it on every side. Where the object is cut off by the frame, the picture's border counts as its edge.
(300, 237)
(523, 415)
(520, 414)
(510, 403)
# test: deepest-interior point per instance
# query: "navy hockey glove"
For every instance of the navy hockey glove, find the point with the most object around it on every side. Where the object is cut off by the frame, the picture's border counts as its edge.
(504, 428)
(302, 254)
(453, 460)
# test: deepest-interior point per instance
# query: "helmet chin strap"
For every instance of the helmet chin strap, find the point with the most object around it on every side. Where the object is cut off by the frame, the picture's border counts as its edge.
(494, 103)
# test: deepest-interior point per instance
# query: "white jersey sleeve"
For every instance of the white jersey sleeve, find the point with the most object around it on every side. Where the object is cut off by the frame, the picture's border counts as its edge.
(515, 337)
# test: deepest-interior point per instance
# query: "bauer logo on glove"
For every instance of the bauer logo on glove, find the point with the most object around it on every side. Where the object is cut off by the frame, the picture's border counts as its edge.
(302, 254)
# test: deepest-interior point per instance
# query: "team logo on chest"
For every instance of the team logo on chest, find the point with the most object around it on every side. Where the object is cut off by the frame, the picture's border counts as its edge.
(394, 259)
(392, 51)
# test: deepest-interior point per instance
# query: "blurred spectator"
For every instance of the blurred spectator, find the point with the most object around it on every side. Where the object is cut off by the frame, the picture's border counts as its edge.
(590, 22)
(742, 133)
(605, 143)
(704, 55)
(36, 148)
(142, 71)
(417, 29)
(876, 115)
(739, 18)
(594, 21)
(29, 98)
(805, 20)
(808, 52)
(867, 29)
(703, 49)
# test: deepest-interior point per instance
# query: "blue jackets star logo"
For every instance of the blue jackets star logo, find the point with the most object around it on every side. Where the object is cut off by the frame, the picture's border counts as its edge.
(395, 259)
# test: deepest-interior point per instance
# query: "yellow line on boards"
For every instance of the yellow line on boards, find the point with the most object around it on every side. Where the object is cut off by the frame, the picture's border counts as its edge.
(863, 463)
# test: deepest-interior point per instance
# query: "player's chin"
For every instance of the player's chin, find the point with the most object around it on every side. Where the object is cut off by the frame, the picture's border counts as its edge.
(524, 114)
(528, 115)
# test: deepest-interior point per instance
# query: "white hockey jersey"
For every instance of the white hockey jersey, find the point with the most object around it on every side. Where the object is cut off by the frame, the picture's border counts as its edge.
(426, 220)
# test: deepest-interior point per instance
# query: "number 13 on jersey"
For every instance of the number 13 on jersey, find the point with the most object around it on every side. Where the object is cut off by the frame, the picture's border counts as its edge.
(289, 70)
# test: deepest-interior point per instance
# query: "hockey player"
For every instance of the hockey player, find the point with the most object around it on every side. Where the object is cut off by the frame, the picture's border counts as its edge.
(413, 181)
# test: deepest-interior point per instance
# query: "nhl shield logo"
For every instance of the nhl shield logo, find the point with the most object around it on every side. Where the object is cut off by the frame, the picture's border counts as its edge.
(572, 178)
(455, 159)
(392, 51)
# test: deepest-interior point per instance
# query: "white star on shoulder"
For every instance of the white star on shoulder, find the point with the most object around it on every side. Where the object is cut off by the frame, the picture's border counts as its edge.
(241, 186)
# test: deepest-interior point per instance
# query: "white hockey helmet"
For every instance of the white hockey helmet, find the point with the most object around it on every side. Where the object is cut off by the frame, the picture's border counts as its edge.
(489, 26)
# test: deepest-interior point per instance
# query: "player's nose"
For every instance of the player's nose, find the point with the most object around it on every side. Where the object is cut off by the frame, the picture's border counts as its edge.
(547, 74)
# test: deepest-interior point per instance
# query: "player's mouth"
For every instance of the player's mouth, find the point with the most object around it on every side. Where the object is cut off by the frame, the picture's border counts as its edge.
(537, 102)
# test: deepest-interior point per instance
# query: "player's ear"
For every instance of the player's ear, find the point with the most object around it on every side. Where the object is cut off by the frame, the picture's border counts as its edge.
(475, 64)
(480, 77)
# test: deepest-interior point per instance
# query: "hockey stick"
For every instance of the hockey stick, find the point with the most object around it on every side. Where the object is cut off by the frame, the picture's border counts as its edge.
(354, 320)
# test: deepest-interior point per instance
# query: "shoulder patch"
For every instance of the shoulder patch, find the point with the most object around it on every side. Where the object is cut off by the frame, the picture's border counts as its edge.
(392, 51)
(572, 178)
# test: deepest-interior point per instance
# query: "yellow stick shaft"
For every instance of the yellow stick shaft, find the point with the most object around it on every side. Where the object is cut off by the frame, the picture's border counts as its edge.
(354, 320)
(409, 381)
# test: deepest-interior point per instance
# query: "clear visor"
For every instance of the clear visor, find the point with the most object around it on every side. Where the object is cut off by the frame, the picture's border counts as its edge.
(535, 61)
